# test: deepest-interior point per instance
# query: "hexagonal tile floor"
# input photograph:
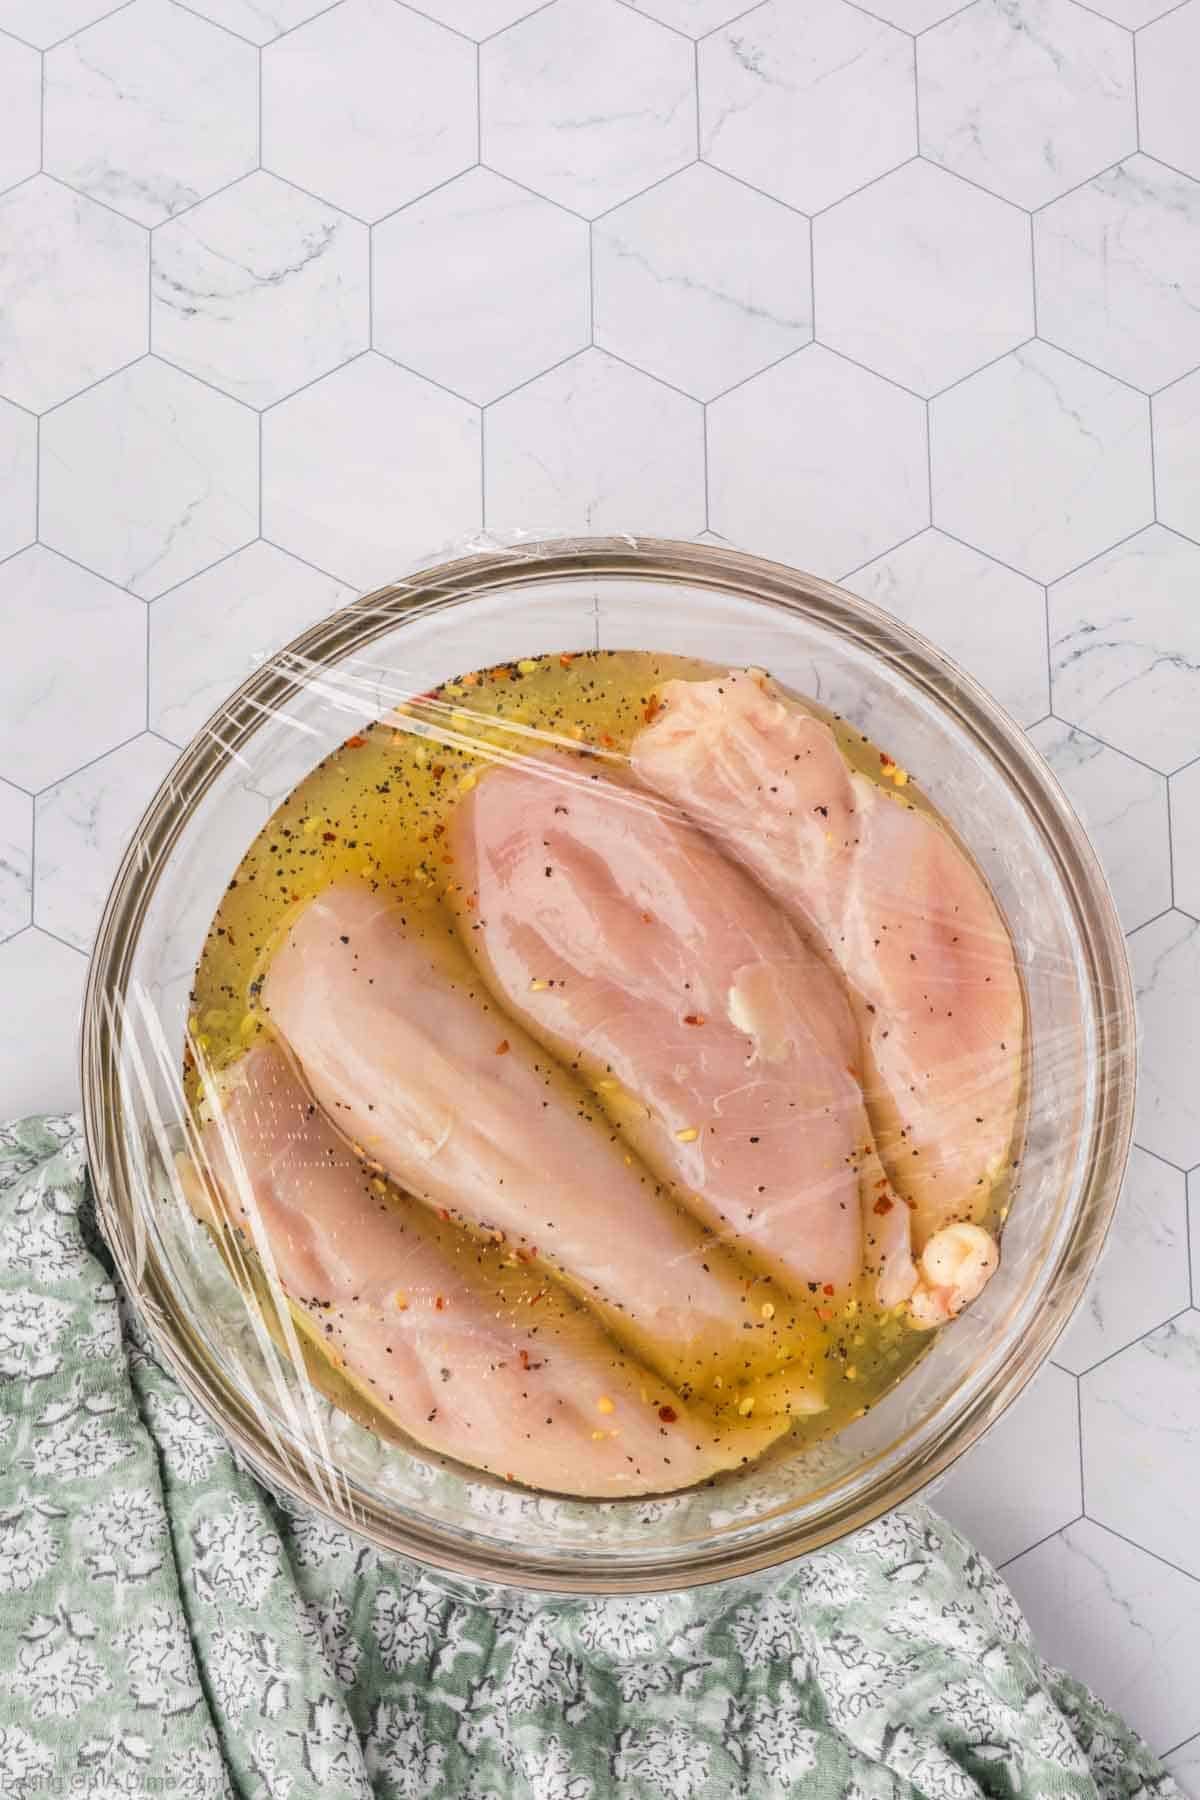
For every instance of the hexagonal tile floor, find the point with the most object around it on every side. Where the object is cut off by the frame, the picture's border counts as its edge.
(294, 292)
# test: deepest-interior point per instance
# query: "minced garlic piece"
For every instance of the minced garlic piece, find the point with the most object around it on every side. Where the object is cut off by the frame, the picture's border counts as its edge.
(689, 1136)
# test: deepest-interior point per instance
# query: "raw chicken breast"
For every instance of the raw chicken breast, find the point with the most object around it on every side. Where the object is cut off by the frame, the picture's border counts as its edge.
(415, 1064)
(439, 1334)
(722, 1045)
(900, 910)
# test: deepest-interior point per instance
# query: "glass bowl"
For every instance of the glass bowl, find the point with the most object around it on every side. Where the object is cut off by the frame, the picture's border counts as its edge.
(499, 605)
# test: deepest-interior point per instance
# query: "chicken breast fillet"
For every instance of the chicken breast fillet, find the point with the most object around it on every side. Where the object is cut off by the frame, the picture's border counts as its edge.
(470, 1356)
(720, 1043)
(415, 1064)
(897, 907)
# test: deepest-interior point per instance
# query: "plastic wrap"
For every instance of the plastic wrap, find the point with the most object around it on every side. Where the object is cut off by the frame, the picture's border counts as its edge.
(607, 1063)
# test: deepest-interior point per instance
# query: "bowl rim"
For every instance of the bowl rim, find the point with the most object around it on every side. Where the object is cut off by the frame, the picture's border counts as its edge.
(667, 562)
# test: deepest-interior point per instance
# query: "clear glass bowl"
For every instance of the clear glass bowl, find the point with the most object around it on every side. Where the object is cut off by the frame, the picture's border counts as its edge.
(976, 766)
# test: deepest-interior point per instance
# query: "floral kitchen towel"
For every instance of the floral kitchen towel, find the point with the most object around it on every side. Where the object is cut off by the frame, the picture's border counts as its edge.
(169, 1629)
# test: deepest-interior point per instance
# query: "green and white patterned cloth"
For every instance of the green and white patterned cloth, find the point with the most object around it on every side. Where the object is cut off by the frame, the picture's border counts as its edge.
(168, 1628)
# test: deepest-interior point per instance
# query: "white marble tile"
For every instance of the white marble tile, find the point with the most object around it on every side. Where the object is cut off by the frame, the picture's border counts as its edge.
(209, 634)
(1040, 461)
(595, 446)
(1118, 272)
(1185, 837)
(819, 463)
(1168, 67)
(587, 103)
(260, 20)
(481, 285)
(72, 293)
(1143, 1276)
(44, 22)
(989, 1493)
(1141, 1442)
(18, 479)
(923, 278)
(1166, 971)
(1176, 416)
(368, 470)
(1118, 1620)
(368, 106)
(702, 281)
(16, 859)
(42, 983)
(1194, 1231)
(1183, 1765)
(20, 111)
(83, 826)
(1026, 97)
(151, 109)
(260, 289)
(1125, 648)
(73, 673)
(149, 477)
(990, 621)
(1123, 804)
(807, 102)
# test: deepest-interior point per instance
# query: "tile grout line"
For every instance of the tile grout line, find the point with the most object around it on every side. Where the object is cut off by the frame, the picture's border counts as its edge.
(1154, 1555)
(1079, 1444)
(1170, 843)
(1040, 1543)
(1109, 1355)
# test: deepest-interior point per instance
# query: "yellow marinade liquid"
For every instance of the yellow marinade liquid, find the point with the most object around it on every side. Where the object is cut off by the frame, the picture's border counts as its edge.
(376, 811)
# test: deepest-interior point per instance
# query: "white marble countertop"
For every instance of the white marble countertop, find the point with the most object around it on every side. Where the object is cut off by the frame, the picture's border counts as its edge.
(908, 295)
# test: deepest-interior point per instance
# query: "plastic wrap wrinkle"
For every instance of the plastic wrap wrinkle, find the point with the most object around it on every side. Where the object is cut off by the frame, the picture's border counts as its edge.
(628, 1055)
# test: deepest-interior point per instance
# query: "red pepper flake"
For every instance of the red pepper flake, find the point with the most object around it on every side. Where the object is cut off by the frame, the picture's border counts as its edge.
(694, 1019)
(540, 1295)
(667, 1414)
(471, 902)
(851, 1070)
(652, 709)
(442, 1213)
(566, 659)
(886, 761)
(329, 837)
(527, 1255)
(438, 770)
(440, 1303)
(828, 1288)
(502, 1047)
(525, 1362)
(647, 918)
(883, 1206)
(608, 742)
(356, 742)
